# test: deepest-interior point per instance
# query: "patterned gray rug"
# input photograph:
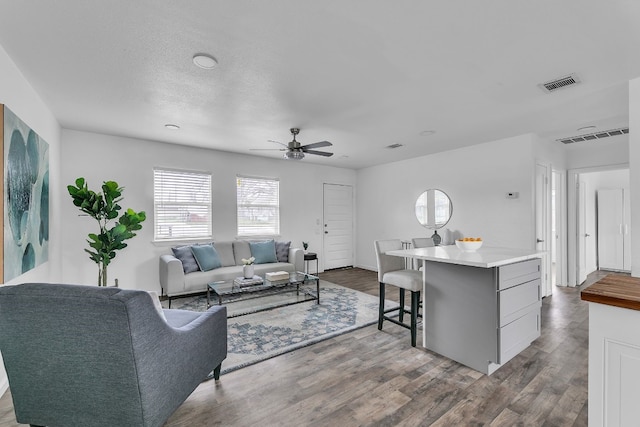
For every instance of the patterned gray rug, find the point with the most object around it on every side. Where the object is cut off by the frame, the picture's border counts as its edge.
(258, 336)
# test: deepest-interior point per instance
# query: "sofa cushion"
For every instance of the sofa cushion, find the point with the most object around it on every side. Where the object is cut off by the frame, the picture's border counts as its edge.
(184, 254)
(225, 252)
(206, 256)
(241, 249)
(282, 251)
(264, 252)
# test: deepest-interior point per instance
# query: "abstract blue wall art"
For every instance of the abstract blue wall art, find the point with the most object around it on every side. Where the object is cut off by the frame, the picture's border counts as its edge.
(25, 197)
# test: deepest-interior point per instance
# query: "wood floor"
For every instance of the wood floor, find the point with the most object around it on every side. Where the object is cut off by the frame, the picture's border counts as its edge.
(375, 378)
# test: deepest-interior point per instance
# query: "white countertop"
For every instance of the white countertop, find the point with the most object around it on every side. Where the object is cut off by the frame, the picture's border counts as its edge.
(485, 257)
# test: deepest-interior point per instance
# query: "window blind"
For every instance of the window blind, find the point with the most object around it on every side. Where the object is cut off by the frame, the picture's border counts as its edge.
(258, 201)
(182, 204)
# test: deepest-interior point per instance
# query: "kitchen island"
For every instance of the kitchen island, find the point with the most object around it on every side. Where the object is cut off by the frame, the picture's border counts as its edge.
(480, 308)
(614, 350)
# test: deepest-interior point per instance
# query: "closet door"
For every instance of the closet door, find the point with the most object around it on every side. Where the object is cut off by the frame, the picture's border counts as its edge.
(611, 229)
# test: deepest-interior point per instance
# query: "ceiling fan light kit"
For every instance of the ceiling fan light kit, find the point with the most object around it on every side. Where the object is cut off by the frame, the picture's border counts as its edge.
(294, 151)
(294, 155)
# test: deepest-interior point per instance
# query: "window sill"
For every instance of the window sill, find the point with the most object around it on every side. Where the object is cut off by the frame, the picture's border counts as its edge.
(259, 237)
(177, 242)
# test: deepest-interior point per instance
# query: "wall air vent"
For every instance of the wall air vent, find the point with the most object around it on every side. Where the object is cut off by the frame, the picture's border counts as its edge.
(560, 83)
(394, 146)
(592, 136)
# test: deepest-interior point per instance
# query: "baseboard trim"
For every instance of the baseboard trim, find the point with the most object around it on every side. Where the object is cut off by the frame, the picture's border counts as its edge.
(367, 267)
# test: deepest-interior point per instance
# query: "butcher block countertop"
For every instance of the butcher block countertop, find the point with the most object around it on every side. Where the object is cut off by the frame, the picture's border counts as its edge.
(616, 290)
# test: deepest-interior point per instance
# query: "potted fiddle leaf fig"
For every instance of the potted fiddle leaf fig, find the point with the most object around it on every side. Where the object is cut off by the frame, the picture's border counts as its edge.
(104, 208)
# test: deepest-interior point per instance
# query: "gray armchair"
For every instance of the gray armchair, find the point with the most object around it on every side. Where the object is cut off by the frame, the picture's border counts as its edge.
(90, 356)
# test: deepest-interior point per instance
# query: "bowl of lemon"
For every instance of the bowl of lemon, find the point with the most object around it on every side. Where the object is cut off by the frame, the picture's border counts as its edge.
(469, 244)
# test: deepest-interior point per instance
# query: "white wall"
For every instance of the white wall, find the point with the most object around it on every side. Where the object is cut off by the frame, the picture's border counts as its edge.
(476, 179)
(607, 151)
(130, 162)
(18, 95)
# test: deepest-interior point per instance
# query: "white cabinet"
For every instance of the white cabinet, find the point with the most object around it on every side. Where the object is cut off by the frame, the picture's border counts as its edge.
(614, 237)
(614, 351)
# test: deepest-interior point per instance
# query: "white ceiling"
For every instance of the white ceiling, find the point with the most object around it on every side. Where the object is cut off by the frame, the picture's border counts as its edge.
(362, 74)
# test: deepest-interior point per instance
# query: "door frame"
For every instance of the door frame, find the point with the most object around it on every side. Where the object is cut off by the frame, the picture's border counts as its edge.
(560, 239)
(573, 175)
(543, 223)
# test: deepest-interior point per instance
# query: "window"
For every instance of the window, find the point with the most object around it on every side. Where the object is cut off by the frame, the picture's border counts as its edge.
(258, 206)
(182, 204)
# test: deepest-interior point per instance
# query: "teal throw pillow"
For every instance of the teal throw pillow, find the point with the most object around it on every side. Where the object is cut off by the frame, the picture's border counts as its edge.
(206, 256)
(263, 252)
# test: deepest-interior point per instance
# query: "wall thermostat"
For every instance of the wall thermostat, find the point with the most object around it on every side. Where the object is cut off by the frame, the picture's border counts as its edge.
(512, 195)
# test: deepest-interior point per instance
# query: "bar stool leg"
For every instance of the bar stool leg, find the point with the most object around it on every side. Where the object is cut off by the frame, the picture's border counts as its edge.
(401, 314)
(415, 302)
(381, 307)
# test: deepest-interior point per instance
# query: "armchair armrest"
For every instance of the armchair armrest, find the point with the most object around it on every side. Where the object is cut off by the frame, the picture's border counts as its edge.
(171, 274)
(181, 351)
(296, 257)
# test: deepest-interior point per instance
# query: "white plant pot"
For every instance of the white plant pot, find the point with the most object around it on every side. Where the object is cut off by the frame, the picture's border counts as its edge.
(247, 271)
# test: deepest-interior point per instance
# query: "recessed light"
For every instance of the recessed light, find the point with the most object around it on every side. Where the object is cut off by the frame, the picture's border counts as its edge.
(205, 61)
(172, 126)
(590, 128)
(427, 132)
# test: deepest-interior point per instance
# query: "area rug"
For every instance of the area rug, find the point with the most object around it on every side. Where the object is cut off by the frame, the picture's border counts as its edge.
(258, 336)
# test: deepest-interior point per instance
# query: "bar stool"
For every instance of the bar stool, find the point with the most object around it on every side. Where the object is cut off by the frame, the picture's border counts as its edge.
(421, 242)
(392, 271)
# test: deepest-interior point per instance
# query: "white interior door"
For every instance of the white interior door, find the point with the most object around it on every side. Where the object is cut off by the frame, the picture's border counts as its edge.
(582, 233)
(611, 229)
(338, 226)
(543, 220)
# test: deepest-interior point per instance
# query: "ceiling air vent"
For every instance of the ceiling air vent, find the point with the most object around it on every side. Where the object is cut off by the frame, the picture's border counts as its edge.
(592, 136)
(394, 146)
(560, 83)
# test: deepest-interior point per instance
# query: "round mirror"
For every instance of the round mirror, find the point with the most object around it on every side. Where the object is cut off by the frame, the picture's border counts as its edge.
(433, 209)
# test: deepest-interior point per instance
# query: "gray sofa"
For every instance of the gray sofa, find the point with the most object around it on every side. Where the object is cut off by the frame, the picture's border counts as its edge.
(94, 356)
(175, 282)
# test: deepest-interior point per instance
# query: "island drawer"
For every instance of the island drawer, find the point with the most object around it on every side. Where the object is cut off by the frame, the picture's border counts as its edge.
(518, 335)
(517, 273)
(517, 300)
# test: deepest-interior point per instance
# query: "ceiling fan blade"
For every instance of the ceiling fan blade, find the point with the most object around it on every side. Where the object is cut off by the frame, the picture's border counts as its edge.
(278, 142)
(317, 145)
(318, 153)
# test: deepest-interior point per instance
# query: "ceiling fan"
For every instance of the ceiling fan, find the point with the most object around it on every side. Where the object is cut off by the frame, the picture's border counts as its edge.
(293, 150)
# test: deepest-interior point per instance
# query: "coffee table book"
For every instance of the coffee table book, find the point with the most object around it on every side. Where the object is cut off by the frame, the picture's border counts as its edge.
(241, 281)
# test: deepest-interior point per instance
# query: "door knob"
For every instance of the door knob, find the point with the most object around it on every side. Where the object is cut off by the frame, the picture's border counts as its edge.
(539, 240)
(587, 234)
(326, 232)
